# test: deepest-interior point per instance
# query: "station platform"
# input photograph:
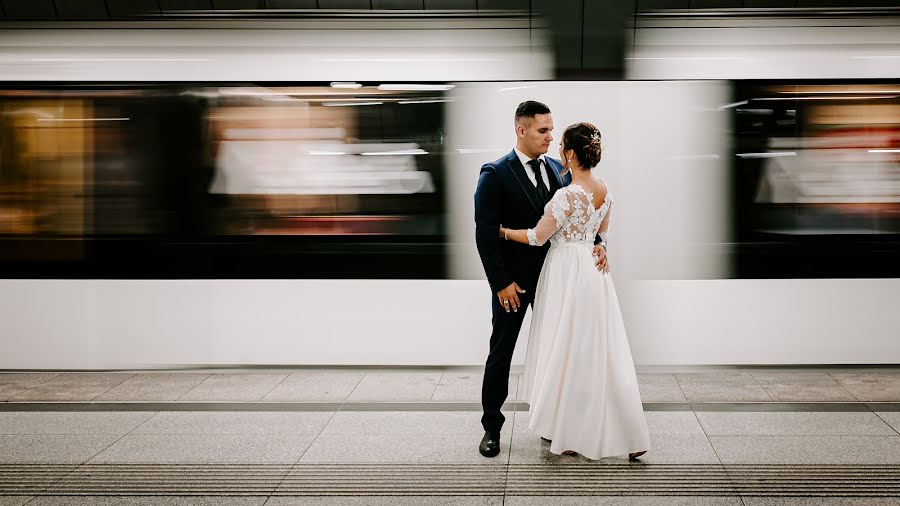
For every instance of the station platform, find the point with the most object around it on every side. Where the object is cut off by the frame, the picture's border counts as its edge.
(720, 436)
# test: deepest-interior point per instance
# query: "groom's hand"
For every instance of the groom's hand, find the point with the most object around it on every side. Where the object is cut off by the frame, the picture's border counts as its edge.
(600, 258)
(509, 297)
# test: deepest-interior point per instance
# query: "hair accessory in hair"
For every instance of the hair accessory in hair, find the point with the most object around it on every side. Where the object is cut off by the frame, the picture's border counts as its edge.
(595, 136)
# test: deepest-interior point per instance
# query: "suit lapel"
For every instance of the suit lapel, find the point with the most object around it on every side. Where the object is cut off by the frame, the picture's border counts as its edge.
(515, 166)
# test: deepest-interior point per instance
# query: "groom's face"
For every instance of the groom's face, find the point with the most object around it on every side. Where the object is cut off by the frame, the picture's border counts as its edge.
(536, 135)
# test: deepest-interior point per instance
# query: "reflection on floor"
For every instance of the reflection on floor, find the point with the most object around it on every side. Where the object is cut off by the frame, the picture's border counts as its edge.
(741, 436)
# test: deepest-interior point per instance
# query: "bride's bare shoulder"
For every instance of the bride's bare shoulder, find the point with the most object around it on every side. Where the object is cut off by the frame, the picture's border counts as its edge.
(599, 191)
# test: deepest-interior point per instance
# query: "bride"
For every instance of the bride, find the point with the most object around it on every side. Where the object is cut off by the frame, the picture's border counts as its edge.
(579, 375)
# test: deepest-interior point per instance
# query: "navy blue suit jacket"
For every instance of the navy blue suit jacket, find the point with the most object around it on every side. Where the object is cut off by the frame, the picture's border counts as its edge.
(506, 196)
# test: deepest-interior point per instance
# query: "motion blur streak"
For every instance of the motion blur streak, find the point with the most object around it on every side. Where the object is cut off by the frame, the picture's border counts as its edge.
(281, 194)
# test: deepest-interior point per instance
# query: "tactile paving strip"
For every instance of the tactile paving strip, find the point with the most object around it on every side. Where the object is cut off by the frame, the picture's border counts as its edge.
(30, 479)
(450, 479)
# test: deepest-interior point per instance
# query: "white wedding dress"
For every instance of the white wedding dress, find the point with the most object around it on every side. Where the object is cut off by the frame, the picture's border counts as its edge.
(579, 375)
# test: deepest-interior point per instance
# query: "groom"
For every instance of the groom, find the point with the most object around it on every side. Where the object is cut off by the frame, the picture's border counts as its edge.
(513, 191)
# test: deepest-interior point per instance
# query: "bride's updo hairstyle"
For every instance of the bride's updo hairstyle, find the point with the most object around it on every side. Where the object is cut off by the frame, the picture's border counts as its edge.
(584, 139)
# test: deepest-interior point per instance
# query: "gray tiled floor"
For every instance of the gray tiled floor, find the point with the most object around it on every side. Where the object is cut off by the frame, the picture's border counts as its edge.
(235, 423)
(325, 385)
(807, 449)
(153, 387)
(351, 421)
(793, 424)
(26, 379)
(658, 422)
(449, 501)
(467, 387)
(440, 436)
(802, 386)
(891, 418)
(73, 387)
(385, 501)
(71, 422)
(673, 422)
(660, 388)
(234, 387)
(384, 448)
(148, 500)
(14, 500)
(820, 501)
(736, 386)
(205, 448)
(63, 449)
(396, 386)
(624, 501)
(316, 386)
(867, 386)
(8, 391)
(360, 423)
(665, 449)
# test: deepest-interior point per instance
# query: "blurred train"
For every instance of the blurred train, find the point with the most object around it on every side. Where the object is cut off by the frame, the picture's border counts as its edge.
(175, 194)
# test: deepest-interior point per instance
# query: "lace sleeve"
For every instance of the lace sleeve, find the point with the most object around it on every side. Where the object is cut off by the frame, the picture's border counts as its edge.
(604, 225)
(555, 213)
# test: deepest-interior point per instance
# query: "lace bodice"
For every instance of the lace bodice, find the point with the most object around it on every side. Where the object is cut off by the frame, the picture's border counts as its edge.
(570, 217)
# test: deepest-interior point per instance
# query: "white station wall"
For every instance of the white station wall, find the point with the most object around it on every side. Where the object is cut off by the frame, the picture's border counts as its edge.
(77, 324)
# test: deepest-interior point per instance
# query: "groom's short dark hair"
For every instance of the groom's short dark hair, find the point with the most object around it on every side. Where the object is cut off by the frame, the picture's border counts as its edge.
(529, 108)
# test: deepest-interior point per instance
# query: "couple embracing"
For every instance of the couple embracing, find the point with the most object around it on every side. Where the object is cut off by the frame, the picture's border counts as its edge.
(580, 381)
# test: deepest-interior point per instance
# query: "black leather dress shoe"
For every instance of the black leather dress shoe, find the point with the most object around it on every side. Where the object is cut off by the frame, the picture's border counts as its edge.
(490, 445)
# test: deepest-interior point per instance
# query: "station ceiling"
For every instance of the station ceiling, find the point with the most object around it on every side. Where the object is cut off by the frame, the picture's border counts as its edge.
(68, 10)
(47, 10)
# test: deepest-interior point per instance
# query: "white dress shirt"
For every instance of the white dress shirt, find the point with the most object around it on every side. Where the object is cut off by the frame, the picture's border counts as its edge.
(530, 172)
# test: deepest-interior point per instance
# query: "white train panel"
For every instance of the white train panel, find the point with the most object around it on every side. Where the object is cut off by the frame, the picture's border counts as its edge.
(765, 48)
(283, 51)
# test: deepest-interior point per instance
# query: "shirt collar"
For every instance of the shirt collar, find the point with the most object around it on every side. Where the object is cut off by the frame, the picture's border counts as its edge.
(524, 158)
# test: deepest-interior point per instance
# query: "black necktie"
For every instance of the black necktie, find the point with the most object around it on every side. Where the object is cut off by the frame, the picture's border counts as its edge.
(542, 191)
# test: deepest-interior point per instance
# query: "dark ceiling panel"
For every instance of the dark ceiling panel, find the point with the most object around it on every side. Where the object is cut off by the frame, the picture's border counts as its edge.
(125, 8)
(777, 4)
(81, 9)
(345, 4)
(566, 24)
(603, 44)
(873, 3)
(398, 4)
(238, 4)
(29, 9)
(292, 4)
(650, 5)
(185, 5)
(521, 5)
(450, 4)
(716, 4)
(823, 3)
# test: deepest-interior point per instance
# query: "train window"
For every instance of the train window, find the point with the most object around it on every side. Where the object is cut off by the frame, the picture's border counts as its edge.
(817, 179)
(222, 181)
